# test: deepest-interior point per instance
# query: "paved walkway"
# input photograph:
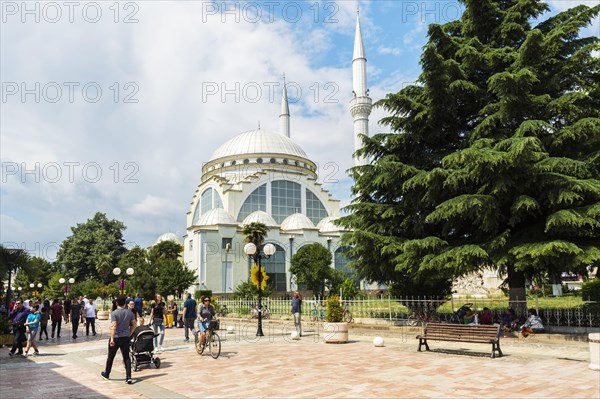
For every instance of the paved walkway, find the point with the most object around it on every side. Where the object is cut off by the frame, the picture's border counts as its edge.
(275, 367)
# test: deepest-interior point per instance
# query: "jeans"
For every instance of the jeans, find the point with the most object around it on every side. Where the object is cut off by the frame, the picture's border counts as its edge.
(19, 339)
(123, 344)
(298, 323)
(90, 321)
(75, 325)
(189, 325)
(156, 324)
(55, 324)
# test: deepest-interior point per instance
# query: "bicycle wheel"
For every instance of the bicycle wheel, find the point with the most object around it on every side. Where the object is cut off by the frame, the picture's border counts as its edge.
(434, 318)
(413, 320)
(214, 345)
(347, 316)
(199, 345)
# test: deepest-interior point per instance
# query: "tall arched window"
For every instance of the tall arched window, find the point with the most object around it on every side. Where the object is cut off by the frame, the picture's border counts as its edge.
(315, 210)
(341, 260)
(286, 199)
(275, 268)
(210, 199)
(256, 201)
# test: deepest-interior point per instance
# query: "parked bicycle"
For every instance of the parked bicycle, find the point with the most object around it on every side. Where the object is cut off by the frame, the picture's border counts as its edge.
(254, 312)
(211, 339)
(347, 315)
(317, 313)
(422, 317)
(223, 311)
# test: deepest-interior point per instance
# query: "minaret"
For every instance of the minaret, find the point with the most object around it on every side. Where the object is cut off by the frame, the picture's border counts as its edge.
(284, 117)
(360, 105)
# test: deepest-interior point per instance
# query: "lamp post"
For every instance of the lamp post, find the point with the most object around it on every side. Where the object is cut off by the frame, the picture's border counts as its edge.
(33, 290)
(227, 249)
(67, 285)
(122, 283)
(253, 252)
(18, 292)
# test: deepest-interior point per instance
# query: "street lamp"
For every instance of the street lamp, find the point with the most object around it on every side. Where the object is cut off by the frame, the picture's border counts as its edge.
(253, 252)
(122, 283)
(67, 286)
(34, 292)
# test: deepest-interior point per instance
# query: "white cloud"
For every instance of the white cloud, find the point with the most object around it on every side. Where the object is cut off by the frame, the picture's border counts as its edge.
(389, 50)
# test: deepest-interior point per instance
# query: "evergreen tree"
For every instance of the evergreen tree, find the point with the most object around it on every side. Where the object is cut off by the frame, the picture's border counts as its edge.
(495, 155)
(311, 265)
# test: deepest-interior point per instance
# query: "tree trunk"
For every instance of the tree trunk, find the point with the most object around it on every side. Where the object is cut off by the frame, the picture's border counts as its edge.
(517, 296)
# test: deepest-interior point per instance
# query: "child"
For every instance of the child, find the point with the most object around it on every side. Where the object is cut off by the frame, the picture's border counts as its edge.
(32, 326)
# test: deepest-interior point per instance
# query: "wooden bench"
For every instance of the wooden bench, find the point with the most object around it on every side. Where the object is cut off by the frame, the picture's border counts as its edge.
(476, 333)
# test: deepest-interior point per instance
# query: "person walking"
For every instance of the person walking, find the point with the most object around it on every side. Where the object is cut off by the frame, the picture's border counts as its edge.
(76, 312)
(32, 326)
(90, 317)
(138, 305)
(296, 311)
(122, 325)
(45, 316)
(158, 323)
(67, 305)
(18, 317)
(189, 315)
(57, 314)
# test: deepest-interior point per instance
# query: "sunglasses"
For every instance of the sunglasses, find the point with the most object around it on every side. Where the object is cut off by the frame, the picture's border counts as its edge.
(207, 300)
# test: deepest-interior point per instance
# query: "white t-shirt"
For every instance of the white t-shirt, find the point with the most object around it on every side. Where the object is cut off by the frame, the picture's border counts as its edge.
(90, 309)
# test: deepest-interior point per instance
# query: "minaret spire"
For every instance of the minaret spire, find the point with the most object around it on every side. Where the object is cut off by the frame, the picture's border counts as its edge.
(361, 104)
(284, 117)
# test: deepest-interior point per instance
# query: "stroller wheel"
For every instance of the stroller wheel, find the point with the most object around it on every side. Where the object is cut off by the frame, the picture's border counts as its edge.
(134, 362)
(157, 363)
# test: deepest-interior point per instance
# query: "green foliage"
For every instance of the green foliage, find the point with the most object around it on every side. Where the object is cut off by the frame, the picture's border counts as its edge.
(493, 157)
(334, 312)
(198, 294)
(311, 266)
(590, 290)
(4, 324)
(92, 289)
(349, 289)
(144, 278)
(255, 232)
(13, 259)
(247, 290)
(81, 254)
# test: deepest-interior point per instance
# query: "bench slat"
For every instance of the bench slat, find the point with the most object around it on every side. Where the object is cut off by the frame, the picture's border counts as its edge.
(472, 333)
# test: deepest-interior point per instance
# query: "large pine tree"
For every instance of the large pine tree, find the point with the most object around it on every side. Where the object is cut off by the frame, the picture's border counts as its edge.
(494, 157)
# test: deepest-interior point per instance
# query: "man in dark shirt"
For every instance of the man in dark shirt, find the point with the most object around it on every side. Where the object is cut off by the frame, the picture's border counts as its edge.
(18, 317)
(75, 316)
(122, 325)
(139, 305)
(189, 315)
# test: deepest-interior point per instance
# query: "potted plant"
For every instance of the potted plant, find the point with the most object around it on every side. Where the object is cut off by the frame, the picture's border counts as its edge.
(335, 330)
(104, 314)
(6, 337)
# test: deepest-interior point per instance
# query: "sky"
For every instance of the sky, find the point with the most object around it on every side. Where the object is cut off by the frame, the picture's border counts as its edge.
(114, 107)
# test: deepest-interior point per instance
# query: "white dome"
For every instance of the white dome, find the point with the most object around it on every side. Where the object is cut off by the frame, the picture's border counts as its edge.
(258, 142)
(169, 237)
(297, 221)
(326, 225)
(261, 217)
(216, 216)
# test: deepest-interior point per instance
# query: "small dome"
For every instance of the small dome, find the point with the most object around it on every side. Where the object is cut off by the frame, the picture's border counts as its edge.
(216, 216)
(258, 142)
(327, 225)
(169, 237)
(260, 217)
(297, 221)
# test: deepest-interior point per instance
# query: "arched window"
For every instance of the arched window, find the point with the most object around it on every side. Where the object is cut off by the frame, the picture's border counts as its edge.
(341, 260)
(285, 199)
(275, 269)
(315, 210)
(196, 217)
(256, 201)
(210, 199)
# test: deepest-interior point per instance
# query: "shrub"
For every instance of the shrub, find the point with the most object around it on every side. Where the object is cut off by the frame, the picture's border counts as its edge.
(334, 313)
(200, 293)
(590, 290)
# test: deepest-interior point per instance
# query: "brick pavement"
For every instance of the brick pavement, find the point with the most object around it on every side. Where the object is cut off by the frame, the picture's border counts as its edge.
(276, 366)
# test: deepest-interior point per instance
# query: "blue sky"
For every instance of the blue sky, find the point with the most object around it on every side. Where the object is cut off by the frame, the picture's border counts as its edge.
(115, 108)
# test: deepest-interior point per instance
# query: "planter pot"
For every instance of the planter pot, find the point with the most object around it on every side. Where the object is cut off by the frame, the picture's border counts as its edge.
(594, 351)
(335, 333)
(6, 339)
(103, 315)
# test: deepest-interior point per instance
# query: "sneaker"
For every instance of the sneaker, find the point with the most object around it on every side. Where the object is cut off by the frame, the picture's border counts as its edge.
(11, 354)
(36, 353)
(25, 354)
(104, 375)
(93, 334)
(129, 381)
(161, 349)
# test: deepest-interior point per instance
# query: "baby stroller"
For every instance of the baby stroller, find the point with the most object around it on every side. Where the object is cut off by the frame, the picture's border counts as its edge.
(457, 317)
(142, 347)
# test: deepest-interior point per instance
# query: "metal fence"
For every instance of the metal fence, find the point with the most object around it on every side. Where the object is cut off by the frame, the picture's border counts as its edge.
(398, 310)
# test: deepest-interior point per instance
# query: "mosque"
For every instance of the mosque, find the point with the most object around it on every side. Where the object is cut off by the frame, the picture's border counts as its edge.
(262, 176)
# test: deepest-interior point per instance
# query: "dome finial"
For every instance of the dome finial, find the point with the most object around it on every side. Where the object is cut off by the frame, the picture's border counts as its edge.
(258, 125)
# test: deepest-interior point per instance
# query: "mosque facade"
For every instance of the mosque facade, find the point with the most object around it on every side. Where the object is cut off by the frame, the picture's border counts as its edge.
(262, 176)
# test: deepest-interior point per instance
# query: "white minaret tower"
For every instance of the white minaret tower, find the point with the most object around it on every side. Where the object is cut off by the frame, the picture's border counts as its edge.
(284, 117)
(360, 105)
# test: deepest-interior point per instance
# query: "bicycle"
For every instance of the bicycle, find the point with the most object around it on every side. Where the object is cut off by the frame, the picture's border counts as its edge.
(211, 339)
(347, 315)
(223, 311)
(317, 313)
(419, 317)
(254, 312)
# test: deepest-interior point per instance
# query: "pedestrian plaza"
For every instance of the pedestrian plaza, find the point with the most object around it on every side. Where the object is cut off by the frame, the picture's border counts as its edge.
(276, 366)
